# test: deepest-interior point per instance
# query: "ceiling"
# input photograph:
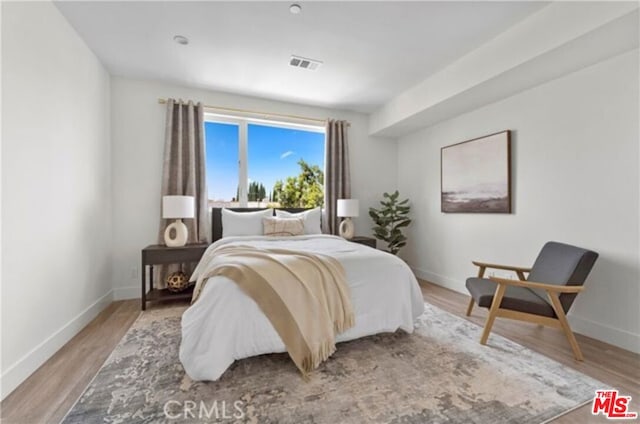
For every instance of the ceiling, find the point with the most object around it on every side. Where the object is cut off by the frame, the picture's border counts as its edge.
(371, 51)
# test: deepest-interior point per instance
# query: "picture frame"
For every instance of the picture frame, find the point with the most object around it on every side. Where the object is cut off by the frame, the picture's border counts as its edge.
(475, 175)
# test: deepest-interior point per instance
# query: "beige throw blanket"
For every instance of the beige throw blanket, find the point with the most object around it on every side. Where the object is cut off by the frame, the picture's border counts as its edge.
(304, 295)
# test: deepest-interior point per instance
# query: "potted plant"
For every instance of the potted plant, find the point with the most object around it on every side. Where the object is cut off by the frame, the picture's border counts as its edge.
(390, 219)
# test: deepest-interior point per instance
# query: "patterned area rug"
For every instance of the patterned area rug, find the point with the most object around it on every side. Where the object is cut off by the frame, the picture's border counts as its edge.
(438, 374)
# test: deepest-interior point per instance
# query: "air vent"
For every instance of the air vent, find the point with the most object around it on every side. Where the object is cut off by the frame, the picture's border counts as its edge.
(304, 63)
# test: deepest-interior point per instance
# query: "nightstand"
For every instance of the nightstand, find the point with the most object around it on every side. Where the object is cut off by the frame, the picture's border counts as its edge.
(161, 255)
(367, 241)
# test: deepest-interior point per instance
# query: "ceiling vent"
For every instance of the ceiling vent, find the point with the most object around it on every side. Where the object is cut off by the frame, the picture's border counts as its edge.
(304, 63)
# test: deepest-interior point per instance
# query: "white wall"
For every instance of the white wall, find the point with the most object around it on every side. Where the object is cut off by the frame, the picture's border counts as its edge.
(575, 179)
(138, 143)
(56, 170)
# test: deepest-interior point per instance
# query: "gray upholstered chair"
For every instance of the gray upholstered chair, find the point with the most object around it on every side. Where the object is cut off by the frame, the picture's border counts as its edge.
(544, 297)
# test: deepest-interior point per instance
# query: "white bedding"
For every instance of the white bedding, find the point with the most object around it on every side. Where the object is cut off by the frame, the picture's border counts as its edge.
(225, 324)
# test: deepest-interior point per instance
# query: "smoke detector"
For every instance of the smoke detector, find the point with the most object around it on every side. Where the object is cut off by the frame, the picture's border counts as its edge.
(304, 63)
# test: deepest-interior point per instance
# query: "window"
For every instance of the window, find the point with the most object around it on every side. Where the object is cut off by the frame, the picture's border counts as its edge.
(222, 145)
(254, 163)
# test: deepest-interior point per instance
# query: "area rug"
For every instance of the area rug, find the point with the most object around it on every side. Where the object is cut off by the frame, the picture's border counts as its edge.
(438, 374)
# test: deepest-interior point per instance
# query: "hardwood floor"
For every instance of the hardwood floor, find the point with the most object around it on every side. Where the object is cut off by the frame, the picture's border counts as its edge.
(47, 395)
(51, 391)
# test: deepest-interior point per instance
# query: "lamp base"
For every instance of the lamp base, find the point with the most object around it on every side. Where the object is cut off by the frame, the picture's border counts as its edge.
(181, 234)
(346, 229)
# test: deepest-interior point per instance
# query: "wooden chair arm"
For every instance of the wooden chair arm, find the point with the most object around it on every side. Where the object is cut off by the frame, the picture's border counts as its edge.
(505, 267)
(534, 285)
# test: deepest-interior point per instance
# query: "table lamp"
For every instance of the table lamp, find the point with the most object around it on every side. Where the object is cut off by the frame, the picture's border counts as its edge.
(177, 207)
(347, 208)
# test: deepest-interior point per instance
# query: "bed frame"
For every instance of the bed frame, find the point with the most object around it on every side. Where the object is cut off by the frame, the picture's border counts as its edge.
(216, 218)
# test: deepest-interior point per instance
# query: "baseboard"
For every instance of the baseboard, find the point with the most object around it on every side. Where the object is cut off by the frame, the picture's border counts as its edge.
(124, 293)
(440, 280)
(25, 366)
(615, 336)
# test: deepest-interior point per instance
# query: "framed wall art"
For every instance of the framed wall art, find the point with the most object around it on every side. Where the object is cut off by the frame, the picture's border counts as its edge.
(476, 175)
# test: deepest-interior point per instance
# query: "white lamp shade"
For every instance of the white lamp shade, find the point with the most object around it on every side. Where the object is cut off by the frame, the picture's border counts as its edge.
(178, 207)
(348, 208)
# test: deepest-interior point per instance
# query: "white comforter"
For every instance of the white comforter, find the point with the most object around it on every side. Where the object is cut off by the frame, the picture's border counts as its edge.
(225, 324)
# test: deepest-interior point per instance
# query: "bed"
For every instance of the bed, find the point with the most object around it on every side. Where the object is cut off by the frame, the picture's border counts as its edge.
(226, 325)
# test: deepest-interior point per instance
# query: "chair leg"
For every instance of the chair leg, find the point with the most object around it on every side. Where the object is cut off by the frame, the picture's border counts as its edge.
(493, 312)
(557, 307)
(470, 307)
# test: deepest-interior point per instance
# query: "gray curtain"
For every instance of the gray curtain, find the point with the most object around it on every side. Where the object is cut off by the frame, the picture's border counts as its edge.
(337, 179)
(183, 171)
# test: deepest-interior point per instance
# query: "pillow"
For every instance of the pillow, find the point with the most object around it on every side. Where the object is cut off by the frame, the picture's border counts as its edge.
(243, 223)
(283, 226)
(311, 219)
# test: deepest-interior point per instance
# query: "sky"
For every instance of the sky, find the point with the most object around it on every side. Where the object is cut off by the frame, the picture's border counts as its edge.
(273, 154)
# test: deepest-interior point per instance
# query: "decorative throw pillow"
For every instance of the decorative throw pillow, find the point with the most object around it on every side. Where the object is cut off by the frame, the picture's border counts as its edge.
(312, 219)
(283, 226)
(243, 223)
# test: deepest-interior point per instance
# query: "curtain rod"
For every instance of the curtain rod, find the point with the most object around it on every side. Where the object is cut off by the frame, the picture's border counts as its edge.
(263, 114)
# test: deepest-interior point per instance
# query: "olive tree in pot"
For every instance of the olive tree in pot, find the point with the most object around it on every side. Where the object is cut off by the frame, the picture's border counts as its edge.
(390, 220)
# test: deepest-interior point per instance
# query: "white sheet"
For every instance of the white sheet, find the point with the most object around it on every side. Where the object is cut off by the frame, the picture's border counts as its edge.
(225, 324)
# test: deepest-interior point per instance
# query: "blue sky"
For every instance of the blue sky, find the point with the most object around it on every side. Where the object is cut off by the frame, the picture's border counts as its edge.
(273, 154)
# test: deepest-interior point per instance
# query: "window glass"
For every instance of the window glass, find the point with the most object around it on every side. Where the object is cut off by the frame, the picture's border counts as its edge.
(285, 167)
(222, 146)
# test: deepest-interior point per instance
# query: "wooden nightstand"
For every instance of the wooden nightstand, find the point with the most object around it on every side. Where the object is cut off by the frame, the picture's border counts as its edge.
(367, 241)
(159, 254)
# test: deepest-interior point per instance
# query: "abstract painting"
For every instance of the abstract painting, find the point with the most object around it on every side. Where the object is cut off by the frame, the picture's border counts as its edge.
(475, 175)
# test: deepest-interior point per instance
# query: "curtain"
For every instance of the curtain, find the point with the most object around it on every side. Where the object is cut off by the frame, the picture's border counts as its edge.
(183, 172)
(337, 178)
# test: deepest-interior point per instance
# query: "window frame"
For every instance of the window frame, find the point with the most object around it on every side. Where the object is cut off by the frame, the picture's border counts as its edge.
(243, 123)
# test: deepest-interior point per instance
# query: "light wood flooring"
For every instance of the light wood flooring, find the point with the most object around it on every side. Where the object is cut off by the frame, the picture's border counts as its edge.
(47, 395)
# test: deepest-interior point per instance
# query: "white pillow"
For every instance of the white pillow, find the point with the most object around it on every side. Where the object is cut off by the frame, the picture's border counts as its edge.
(243, 223)
(312, 219)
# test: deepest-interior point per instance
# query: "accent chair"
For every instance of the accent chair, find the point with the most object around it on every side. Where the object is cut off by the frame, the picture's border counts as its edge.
(544, 297)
